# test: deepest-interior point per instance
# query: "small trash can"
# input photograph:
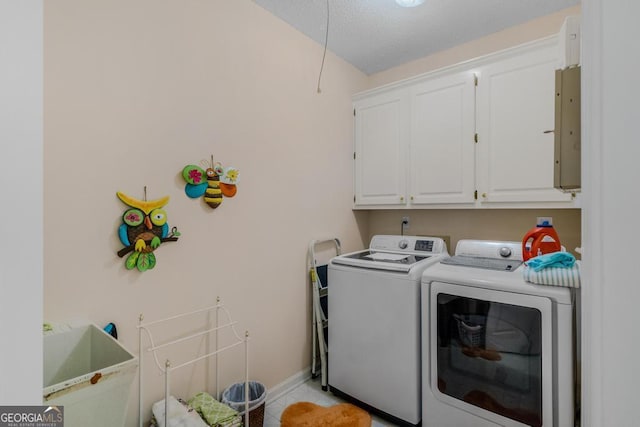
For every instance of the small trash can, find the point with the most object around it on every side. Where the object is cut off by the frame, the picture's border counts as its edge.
(89, 373)
(233, 396)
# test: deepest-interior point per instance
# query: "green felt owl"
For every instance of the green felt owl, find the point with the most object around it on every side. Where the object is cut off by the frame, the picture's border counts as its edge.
(143, 229)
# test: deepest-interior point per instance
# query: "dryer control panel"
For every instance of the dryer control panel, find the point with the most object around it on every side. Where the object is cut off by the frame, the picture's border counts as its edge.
(490, 249)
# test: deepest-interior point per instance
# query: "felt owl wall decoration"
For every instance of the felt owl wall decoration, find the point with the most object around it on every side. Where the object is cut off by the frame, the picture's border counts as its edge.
(143, 229)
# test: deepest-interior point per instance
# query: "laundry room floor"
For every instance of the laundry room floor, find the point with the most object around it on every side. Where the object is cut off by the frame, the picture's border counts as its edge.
(309, 391)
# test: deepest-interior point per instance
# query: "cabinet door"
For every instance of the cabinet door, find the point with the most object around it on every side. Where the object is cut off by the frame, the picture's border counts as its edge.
(515, 106)
(381, 132)
(442, 152)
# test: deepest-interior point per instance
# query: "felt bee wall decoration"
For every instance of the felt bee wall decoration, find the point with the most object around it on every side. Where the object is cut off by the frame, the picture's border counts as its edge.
(144, 228)
(213, 183)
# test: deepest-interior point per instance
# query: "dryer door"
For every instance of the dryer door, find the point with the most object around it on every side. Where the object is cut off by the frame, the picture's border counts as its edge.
(491, 353)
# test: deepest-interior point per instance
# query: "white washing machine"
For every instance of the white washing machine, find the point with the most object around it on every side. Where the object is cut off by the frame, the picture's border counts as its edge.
(496, 350)
(374, 319)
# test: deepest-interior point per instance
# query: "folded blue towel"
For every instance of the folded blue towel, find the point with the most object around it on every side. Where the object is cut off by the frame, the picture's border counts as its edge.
(553, 259)
(555, 276)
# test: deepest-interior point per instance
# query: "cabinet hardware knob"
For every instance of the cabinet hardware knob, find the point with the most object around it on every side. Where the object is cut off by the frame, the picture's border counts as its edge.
(401, 199)
(484, 195)
(412, 198)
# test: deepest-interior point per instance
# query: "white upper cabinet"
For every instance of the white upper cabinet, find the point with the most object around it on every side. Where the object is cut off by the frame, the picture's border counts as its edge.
(381, 131)
(515, 113)
(441, 148)
(415, 141)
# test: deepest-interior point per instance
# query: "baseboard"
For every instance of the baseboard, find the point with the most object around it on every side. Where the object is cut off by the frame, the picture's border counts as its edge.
(287, 385)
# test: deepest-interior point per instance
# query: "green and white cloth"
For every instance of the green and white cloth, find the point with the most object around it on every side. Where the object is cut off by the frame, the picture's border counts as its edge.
(179, 415)
(213, 412)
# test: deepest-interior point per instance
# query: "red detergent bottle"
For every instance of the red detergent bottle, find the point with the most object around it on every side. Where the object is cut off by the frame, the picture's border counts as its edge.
(542, 239)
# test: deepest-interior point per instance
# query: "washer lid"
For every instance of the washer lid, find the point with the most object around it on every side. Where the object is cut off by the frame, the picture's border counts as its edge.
(381, 260)
(493, 279)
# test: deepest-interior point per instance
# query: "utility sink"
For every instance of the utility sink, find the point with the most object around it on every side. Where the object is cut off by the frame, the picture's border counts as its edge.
(89, 373)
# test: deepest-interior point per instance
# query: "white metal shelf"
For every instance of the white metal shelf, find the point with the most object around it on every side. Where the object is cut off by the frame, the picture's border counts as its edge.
(168, 368)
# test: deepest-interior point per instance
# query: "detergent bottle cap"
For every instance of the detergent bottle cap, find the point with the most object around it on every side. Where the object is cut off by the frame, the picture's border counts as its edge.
(544, 221)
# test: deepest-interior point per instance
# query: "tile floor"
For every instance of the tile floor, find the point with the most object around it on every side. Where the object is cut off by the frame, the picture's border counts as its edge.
(309, 391)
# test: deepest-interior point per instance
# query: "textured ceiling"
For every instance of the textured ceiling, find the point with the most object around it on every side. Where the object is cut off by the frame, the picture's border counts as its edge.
(375, 35)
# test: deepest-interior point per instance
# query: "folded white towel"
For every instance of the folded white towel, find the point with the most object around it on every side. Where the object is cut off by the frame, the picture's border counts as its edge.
(554, 276)
(179, 415)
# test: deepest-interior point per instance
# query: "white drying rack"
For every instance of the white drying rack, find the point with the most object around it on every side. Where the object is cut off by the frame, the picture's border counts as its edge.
(167, 369)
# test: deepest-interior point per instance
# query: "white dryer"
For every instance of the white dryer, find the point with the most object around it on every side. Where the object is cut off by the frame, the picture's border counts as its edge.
(496, 350)
(374, 318)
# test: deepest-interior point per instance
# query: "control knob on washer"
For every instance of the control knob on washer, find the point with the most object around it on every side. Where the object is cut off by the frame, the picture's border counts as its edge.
(403, 244)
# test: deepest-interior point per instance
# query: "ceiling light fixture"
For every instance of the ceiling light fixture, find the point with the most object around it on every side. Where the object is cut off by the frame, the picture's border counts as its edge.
(409, 3)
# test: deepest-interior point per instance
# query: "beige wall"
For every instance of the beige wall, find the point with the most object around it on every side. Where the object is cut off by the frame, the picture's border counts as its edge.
(531, 30)
(134, 91)
(507, 224)
(490, 224)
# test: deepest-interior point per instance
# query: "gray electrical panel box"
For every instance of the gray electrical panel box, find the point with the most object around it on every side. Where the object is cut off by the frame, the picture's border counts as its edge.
(567, 156)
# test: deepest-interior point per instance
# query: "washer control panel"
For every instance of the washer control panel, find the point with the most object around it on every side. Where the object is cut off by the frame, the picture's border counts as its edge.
(430, 245)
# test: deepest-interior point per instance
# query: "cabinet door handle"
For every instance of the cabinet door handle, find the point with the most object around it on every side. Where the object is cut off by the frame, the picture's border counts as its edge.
(549, 131)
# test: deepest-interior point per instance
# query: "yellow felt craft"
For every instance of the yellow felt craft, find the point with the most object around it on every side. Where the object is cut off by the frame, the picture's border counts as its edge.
(144, 206)
(140, 245)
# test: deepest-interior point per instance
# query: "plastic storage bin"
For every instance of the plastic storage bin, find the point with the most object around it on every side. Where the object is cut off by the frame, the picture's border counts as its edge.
(471, 329)
(233, 396)
(90, 374)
